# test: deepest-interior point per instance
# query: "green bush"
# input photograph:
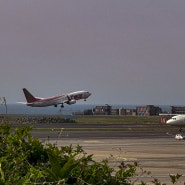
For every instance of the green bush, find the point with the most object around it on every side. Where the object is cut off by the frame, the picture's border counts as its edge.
(25, 160)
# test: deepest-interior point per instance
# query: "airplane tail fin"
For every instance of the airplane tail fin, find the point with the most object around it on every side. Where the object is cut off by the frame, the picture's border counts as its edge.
(29, 97)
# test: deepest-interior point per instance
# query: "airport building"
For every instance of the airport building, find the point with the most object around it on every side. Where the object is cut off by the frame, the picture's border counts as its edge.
(127, 112)
(114, 111)
(102, 110)
(177, 110)
(108, 110)
(148, 110)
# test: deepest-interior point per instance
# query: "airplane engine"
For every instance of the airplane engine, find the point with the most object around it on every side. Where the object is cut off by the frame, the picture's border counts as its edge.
(71, 102)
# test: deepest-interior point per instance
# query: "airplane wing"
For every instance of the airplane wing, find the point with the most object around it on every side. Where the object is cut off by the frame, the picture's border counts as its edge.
(22, 103)
(166, 114)
(68, 100)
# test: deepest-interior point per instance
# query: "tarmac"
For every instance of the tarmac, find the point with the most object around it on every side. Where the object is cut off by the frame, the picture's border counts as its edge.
(160, 156)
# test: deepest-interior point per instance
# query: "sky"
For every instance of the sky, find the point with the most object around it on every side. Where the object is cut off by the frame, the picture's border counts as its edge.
(123, 52)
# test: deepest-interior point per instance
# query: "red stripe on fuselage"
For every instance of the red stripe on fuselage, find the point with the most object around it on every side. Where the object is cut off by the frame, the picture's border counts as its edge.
(52, 98)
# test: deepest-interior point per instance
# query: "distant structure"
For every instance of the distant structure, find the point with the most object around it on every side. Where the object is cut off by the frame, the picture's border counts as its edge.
(127, 112)
(177, 110)
(148, 110)
(102, 110)
(108, 110)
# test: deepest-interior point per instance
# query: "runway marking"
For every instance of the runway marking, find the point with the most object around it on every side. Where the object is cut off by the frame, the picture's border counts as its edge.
(93, 141)
(126, 159)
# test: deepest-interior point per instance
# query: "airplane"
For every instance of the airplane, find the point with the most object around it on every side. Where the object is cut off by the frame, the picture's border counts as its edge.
(177, 120)
(68, 98)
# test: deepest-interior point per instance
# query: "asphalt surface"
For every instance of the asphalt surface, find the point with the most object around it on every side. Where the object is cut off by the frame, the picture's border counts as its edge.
(100, 131)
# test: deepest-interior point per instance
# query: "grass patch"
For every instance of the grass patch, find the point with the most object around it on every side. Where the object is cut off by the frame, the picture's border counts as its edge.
(82, 119)
(117, 119)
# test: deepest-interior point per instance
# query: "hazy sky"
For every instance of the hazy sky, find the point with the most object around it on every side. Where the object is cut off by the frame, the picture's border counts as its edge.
(123, 51)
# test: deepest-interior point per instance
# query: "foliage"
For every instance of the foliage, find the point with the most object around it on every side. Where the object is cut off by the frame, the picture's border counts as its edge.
(25, 160)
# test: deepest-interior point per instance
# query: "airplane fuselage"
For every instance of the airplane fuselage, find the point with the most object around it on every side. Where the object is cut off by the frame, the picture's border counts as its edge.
(68, 98)
(45, 102)
(178, 120)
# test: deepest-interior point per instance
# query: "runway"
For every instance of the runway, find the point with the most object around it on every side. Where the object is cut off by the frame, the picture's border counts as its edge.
(160, 156)
(152, 146)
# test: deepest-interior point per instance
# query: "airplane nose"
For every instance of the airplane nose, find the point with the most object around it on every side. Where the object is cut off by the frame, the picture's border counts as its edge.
(170, 122)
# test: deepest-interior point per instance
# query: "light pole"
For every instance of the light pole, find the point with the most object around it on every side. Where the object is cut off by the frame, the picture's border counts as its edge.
(3, 101)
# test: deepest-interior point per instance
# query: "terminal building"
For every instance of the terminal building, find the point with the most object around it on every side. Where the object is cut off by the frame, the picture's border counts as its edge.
(108, 110)
(177, 110)
(127, 112)
(148, 110)
(102, 110)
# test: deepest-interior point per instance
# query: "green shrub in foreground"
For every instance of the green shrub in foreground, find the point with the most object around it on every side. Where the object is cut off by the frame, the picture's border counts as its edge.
(25, 160)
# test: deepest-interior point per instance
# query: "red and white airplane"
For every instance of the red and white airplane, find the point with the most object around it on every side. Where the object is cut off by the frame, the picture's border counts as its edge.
(68, 98)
